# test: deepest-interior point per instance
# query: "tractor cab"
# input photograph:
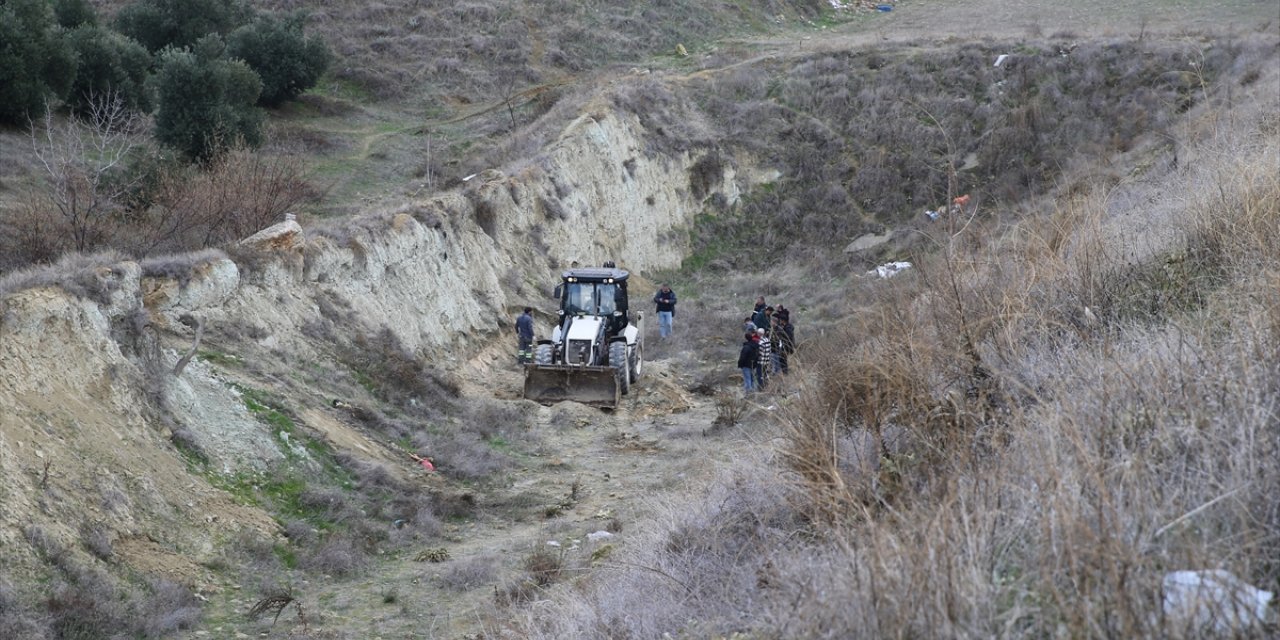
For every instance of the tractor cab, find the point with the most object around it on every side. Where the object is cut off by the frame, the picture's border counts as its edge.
(600, 292)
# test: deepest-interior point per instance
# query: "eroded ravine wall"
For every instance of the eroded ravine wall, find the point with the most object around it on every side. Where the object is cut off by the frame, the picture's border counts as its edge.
(77, 444)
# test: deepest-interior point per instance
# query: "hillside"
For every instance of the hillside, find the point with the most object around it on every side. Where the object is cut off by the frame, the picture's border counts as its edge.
(1071, 393)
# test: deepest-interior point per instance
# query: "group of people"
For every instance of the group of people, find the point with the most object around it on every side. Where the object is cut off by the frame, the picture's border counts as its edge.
(768, 341)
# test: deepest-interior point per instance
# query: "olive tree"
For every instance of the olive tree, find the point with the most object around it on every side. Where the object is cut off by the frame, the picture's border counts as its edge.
(205, 102)
(36, 63)
(277, 49)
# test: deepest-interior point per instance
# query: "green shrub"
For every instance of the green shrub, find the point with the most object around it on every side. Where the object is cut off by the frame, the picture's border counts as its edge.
(74, 13)
(205, 103)
(110, 64)
(179, 23)
(36, 63)
(277, 50)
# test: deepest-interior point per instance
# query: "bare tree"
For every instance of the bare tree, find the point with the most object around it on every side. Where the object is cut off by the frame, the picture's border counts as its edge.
(237, 194)
(82, 159)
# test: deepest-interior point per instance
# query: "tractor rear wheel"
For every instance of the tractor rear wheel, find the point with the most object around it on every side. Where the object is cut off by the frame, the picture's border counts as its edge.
(618, 360)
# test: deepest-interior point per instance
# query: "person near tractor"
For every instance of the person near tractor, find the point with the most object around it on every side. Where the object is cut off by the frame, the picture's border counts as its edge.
(764, 360)
(524, 335)
(665, 298)
(747, 358)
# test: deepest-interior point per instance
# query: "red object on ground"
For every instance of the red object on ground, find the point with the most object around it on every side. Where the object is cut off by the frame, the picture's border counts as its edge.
(961, 200)
(426, 464)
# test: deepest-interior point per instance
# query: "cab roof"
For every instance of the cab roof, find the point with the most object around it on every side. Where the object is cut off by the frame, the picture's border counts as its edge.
(596, 274)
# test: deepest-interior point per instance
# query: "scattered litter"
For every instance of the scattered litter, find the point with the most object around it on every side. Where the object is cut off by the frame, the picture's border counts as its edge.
(889, 269)
(468, 178)
(425, 462)
(599, 535)
(884, 8)
(1001, 58)
(1215, 599)
(931, 214)
(552, 543)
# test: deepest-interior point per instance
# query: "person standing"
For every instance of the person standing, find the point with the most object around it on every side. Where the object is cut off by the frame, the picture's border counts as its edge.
(524, 336)
(747, 359)
(665, 298)
(783, 313)
(765, 359)
(758, 313)
(787, 340)
(775, 343)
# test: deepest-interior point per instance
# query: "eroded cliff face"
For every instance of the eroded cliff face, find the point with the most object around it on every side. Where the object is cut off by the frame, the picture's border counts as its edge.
(90, 403)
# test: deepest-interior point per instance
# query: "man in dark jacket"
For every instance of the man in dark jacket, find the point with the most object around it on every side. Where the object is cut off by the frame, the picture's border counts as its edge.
(524, 334)
(665, 298)
(786, 342)
(747, 358)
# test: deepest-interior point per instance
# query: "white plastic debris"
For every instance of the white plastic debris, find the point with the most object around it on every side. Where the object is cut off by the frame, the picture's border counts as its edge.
(468, 178)
(1001, 58)
(553, 543)
(1215, 600)
(889, 269)
(599, 535)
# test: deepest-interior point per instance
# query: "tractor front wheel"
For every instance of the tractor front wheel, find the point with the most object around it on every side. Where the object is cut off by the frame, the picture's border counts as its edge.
(618, 360)
(542, 354)
(637, 361)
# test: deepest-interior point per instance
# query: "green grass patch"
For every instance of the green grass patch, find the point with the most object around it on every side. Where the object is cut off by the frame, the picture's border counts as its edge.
(279, 492)
(332, 87)
(271, 411)
(220, 358)
(286, 554)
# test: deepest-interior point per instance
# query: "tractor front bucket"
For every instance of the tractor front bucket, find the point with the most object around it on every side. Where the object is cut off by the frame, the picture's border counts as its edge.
(551, 383)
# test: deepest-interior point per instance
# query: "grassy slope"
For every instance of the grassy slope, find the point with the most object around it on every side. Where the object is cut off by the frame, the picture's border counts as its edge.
(1019, 438)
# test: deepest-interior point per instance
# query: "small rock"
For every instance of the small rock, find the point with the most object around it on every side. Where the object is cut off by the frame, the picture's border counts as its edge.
(599, 535)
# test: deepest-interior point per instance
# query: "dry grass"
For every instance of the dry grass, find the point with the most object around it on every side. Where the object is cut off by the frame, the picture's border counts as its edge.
(1018, 438)
(852, 161)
